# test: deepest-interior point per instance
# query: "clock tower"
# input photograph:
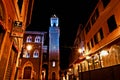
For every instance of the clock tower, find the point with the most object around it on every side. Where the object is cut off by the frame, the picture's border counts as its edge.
(54, 54)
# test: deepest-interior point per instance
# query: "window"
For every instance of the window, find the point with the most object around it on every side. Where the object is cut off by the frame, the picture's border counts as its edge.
(36, 54)
(98, 36)
(37, 39)
(88, 46)
(112, 23)
(95, 39)
(28, 55)
(25, 53)
(105, 2)
(87, 28)
(29, 39)
(92, 43)
(53, 64)
(95, 16)
(101, 33)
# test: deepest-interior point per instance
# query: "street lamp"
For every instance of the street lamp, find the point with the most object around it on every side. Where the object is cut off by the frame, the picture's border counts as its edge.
(80, 50)
(29, 47)
(103, 53)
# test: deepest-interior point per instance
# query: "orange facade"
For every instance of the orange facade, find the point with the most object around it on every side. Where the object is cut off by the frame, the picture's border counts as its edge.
(99, 39)
(10, 42)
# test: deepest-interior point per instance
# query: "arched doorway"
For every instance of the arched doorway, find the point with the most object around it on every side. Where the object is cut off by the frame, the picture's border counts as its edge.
(45, 71)
(53, 76)
(27, 72)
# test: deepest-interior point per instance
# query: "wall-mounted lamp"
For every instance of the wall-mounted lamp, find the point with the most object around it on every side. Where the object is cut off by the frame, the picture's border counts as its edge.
(103, 53)
(29, 47)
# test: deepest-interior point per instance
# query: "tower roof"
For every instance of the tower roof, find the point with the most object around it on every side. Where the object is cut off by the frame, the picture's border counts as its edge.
(54, 16)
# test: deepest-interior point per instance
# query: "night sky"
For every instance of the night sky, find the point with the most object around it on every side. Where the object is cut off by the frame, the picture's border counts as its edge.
(70, 14)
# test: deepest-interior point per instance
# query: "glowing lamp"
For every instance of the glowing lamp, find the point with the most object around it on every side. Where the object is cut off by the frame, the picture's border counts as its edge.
(29, 47)
(104, 53)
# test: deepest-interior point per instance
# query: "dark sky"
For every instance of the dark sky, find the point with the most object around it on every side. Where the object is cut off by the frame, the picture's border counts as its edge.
(70, 13)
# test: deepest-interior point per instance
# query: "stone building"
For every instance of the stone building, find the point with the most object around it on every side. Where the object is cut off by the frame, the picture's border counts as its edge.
(31, 58)
(40, 56)
(99, 40)
(15, 15)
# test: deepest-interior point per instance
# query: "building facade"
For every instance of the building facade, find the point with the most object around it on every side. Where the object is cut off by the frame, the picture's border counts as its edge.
(31, 58)
(14, 17)
(39, 61)
(101, 39)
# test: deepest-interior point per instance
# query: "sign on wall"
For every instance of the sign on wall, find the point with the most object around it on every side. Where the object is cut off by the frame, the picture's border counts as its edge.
(17, 30)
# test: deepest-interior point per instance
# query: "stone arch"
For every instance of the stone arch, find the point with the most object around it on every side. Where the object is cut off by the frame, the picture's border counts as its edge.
(53, 75)
(27, 72)
(45, 71)
(28, 64)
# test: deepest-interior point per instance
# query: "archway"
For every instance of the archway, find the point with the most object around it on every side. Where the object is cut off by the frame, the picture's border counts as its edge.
(45, 71)
(53, 75)
(27, 72)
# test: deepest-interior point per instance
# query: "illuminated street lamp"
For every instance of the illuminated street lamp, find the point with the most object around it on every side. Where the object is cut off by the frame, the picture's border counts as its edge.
(88, 57)
(29, 47)
(80, 50)
(103, 53)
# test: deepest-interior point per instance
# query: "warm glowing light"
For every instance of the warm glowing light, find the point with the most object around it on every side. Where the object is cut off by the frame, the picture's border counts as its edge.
(88, 57)
(29, 47)
(80, 50)
(104, 53)
(53, 64)
(70, 69)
